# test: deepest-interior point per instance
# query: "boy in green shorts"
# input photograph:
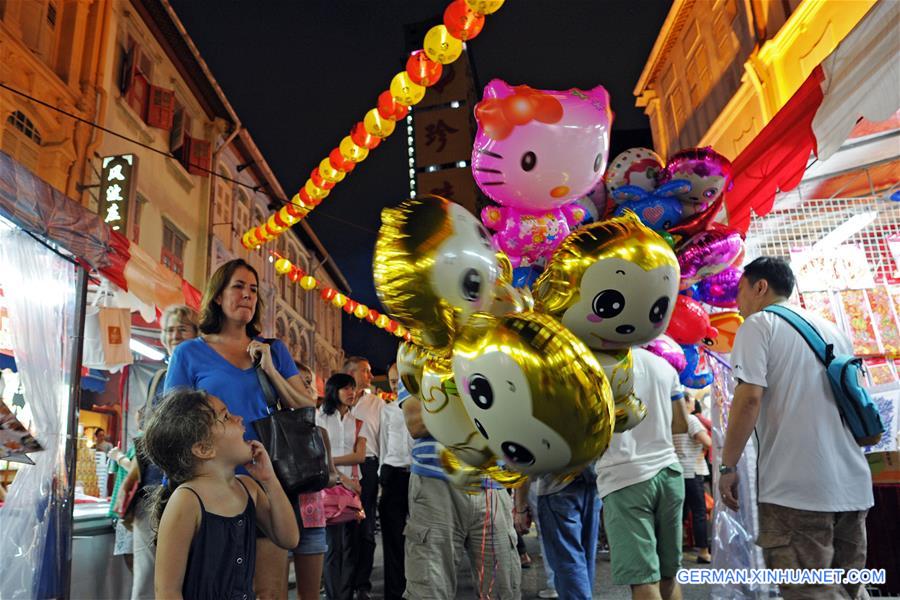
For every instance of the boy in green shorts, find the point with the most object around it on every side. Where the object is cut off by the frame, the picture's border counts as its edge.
(639, 479)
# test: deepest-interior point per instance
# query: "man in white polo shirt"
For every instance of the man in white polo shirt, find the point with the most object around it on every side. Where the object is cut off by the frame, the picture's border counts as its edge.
(368, 409)
(393, 508)
(815, 486)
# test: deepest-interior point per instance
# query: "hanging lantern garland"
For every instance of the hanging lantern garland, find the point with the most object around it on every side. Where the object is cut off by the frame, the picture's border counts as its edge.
(295, 274)
(443, 44)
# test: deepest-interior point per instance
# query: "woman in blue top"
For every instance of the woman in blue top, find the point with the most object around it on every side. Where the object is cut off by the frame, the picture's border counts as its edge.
(222, 362)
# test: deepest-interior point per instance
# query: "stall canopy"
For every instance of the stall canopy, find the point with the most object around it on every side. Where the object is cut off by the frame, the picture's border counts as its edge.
(37, 207)
(860, 78)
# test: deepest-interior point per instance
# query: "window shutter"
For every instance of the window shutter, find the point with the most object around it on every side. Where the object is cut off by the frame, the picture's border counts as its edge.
(161, 108)
(199, 155)
(138, 95)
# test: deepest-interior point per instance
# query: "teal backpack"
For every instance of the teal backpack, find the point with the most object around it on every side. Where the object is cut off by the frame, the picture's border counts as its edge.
(844, 373)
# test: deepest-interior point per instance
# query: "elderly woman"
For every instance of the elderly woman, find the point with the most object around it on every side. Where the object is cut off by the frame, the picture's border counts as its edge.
(178, 323)
(223, 362)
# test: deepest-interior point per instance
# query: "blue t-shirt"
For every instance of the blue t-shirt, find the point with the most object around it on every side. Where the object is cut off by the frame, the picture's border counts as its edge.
(195, 364)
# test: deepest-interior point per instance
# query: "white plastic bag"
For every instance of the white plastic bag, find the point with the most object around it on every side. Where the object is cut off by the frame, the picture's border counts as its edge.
(107, 333)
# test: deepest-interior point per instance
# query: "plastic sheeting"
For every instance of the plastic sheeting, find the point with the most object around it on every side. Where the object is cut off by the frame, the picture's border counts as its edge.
(40, 288)
(734, 533)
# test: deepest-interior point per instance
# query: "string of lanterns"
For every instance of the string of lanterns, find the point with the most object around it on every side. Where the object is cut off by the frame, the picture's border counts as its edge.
(295, 274)
(443, 44)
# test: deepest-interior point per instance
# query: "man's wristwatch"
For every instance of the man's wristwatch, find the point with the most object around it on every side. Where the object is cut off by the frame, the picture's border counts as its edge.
(723, 470)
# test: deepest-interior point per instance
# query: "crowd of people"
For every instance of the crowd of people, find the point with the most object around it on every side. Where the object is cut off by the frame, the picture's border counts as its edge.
(214, 522)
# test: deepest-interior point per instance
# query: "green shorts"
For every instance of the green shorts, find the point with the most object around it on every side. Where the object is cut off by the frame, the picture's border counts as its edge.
(643, 526)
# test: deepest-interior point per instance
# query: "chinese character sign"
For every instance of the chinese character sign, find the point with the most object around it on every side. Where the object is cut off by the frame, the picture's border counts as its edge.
(117, 186)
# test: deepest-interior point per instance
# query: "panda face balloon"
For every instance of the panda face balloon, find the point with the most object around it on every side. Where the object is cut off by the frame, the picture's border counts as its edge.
(613, 284)
(533, 391)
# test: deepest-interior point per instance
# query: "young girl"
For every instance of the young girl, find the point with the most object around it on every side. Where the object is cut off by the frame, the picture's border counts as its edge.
(206, 541)
(348, 436)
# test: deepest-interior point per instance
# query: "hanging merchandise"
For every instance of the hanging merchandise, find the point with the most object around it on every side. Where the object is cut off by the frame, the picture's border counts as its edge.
(107, 334)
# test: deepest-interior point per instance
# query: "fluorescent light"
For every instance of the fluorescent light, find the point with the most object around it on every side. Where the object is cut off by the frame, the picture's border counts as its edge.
(145, 350)
(845, 231)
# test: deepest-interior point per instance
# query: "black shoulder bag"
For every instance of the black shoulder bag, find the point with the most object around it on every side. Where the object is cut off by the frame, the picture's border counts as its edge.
(293, 442)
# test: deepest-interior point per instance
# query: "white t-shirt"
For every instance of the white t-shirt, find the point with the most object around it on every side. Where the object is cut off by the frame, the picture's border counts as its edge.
(368, 408)
(342, 435)
(688, 450)
(639, 454)
(808, 459)
(395, 443)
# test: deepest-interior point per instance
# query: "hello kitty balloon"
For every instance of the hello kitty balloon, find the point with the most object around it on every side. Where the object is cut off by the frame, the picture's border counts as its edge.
(536, 152)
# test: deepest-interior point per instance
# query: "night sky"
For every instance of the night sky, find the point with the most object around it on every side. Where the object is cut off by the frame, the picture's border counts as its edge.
(301, 74)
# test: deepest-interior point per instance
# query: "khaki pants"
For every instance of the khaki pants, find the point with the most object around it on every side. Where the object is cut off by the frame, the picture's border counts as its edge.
(803, 539)
(444, 523)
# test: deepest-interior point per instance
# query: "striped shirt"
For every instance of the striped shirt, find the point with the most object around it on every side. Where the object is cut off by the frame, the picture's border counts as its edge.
(688, 450)
(426, 452)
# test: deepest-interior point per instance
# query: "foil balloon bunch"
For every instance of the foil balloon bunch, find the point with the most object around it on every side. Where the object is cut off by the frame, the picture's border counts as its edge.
(691, 185)
(613, 284)
(537, 154)
(508, 391)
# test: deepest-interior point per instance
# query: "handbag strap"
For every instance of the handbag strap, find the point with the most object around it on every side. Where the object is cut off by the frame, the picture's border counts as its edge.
(355, 468)
(268, 391)
(823, 350)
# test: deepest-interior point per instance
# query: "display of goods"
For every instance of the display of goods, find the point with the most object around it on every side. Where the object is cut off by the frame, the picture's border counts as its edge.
(819, 303)
(859, 318)
(885, 319)
(880, 372)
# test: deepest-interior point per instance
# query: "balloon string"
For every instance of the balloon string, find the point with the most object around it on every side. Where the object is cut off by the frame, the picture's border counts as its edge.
(493, 549)
(483, 539)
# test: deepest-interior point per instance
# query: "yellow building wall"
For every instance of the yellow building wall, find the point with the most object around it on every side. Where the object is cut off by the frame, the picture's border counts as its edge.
(171, 192)
(780, 67)
(50, 54)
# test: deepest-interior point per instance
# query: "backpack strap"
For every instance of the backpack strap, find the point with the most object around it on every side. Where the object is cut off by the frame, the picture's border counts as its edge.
(823, 350)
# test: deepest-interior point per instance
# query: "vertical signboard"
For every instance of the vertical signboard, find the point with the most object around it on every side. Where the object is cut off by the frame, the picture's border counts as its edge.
(117, 188)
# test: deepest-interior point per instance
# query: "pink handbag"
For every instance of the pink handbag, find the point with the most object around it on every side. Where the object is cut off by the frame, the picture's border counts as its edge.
(341, 504)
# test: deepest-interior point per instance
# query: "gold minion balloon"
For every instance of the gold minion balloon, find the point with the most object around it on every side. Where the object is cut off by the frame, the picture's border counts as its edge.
(410, 362)
(534, 391)
(434, 265)
(612, 283)
(618, 366)
(445, 417)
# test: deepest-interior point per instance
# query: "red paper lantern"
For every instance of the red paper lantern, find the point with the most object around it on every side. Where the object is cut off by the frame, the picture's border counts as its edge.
(320, 181)
(373, 315)
(423, 70)
(339, 162)
(462, 22)
(363, 138)
(389, 109)
(392, 326)
(328, 294)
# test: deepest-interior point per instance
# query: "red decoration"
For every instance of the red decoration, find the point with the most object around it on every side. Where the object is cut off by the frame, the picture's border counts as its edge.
(423, 70)
(776, 159)
(361, 137)
(319, 181)
(279, 221)
(392, 326)
(462, 22)
(328, 293)
(373, 315)
(389, 109)
(339, 162)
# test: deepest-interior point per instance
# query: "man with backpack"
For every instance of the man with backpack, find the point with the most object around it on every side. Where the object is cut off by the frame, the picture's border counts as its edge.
(815, 486)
